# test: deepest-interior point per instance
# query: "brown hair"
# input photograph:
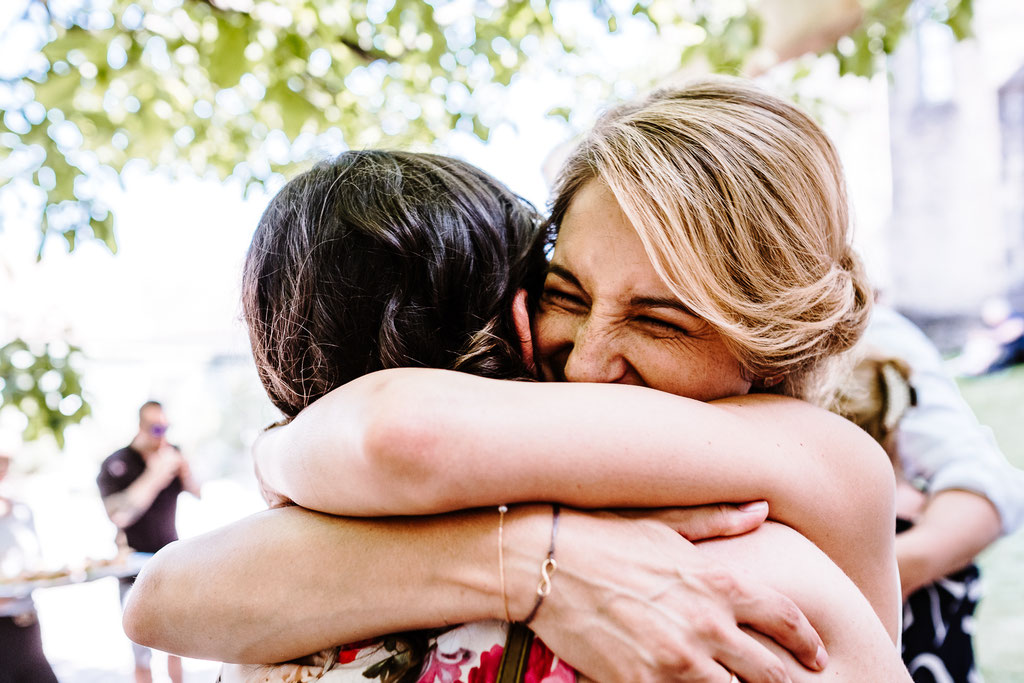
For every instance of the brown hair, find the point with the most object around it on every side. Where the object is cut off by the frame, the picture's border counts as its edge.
(378, 259)
(739, 200)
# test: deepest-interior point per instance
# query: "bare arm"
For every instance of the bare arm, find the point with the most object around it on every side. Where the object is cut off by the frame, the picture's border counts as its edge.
(189, 483)
(859, 649)
(858, 646)
(953, 528)
(413, 441)
(286, 582)
(125, 507)
(258, 582)
(423, 441)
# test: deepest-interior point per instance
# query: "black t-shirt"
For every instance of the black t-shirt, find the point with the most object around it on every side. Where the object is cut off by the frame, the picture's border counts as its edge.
(155, 528)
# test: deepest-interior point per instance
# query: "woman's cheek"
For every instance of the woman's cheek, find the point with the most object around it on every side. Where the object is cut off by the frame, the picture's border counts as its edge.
(553, 329)
(553, 337)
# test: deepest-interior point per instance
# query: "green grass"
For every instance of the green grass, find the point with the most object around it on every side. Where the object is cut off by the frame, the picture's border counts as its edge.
(998, 400)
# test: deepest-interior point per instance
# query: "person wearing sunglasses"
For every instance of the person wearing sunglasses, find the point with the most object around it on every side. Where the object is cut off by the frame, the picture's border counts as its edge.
(139, 485)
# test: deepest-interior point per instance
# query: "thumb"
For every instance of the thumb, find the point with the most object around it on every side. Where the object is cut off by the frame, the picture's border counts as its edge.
(713, 521)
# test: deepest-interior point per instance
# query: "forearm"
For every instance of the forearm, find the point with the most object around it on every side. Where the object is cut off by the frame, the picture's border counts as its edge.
(190, 484)
(860, 642)
(421, 441)
(953, 528)
(287, 582)
(125, 507)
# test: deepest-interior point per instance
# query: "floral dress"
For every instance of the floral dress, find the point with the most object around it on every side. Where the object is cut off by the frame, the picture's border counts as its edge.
(469, 653)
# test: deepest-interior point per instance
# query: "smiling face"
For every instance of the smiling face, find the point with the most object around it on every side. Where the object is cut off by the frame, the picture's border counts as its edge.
(605, 316)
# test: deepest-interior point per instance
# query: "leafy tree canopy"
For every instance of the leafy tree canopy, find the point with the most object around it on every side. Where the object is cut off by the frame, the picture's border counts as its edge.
(43, 385)
(244, 88)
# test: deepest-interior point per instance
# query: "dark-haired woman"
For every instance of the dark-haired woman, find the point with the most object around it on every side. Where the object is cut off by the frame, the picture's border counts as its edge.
(612, 277)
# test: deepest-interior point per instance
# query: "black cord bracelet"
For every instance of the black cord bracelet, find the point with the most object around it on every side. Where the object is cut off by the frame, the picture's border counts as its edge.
(547, 568)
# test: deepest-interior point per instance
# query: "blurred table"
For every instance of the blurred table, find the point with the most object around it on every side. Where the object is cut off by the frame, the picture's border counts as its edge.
(127, 565)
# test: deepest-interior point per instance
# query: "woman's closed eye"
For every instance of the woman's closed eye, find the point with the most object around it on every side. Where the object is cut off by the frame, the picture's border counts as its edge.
(562, 298)
(660, 327)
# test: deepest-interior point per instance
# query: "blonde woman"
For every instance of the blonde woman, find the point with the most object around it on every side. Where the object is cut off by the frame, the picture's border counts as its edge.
(701, 250)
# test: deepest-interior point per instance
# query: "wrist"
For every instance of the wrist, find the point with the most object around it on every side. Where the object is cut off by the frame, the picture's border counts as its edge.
(466, 569)
(914, 560)
(149, 482)
(528, 535)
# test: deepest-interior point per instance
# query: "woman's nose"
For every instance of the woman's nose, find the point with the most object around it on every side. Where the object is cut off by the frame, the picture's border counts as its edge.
(595, 356)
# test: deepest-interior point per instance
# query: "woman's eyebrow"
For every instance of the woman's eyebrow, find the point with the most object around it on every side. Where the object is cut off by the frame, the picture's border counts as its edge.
(565, 274)
(661, 302)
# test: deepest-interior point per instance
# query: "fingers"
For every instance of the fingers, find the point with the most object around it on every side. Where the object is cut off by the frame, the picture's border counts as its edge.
(712, 521)
(778, 617)
(750, 661)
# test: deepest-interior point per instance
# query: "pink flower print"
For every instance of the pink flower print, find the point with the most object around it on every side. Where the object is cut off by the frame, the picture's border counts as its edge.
(487, 672)
(545, 667)
(444, 667)
(350, 651)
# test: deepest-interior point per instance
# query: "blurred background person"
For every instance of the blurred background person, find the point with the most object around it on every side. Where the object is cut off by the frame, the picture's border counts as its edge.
(140, 484)
(956, 492)
(21, 647)
(997, 344)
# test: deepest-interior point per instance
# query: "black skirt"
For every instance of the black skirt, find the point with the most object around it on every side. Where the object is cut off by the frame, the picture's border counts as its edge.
(21, 651)
(937, 627)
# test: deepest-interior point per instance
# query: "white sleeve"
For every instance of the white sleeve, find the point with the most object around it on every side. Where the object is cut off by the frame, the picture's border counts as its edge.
(940, 440)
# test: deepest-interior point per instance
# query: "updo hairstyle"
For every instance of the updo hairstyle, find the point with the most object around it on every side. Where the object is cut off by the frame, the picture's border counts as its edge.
(739, 200)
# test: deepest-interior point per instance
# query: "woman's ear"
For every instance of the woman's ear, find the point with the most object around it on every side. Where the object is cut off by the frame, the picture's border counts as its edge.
(521, 320)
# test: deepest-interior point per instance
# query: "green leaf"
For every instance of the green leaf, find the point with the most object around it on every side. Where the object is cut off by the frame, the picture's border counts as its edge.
(961, 16)
(76, 38)
(480, 130)
(559, 112)
(103, 230)
(293, 108)
(227, 62)
(57, 91)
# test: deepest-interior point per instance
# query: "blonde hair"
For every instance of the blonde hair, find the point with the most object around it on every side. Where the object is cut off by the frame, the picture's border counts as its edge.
(876, 395)
(739, 200)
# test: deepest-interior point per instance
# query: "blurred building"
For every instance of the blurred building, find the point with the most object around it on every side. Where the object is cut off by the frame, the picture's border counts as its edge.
(956, 233)
(1011, 126)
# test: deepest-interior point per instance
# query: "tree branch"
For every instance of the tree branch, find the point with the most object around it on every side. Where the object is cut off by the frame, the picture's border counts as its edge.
(366, 55)
(352, 45)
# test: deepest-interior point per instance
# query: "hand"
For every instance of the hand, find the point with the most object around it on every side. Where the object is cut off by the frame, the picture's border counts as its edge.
(702, 522)
(164, 465)
(909, 501)
(184, 469)
(634, 601)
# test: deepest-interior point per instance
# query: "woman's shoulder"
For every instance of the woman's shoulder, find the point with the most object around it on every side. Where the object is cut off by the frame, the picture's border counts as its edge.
(812, 421)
